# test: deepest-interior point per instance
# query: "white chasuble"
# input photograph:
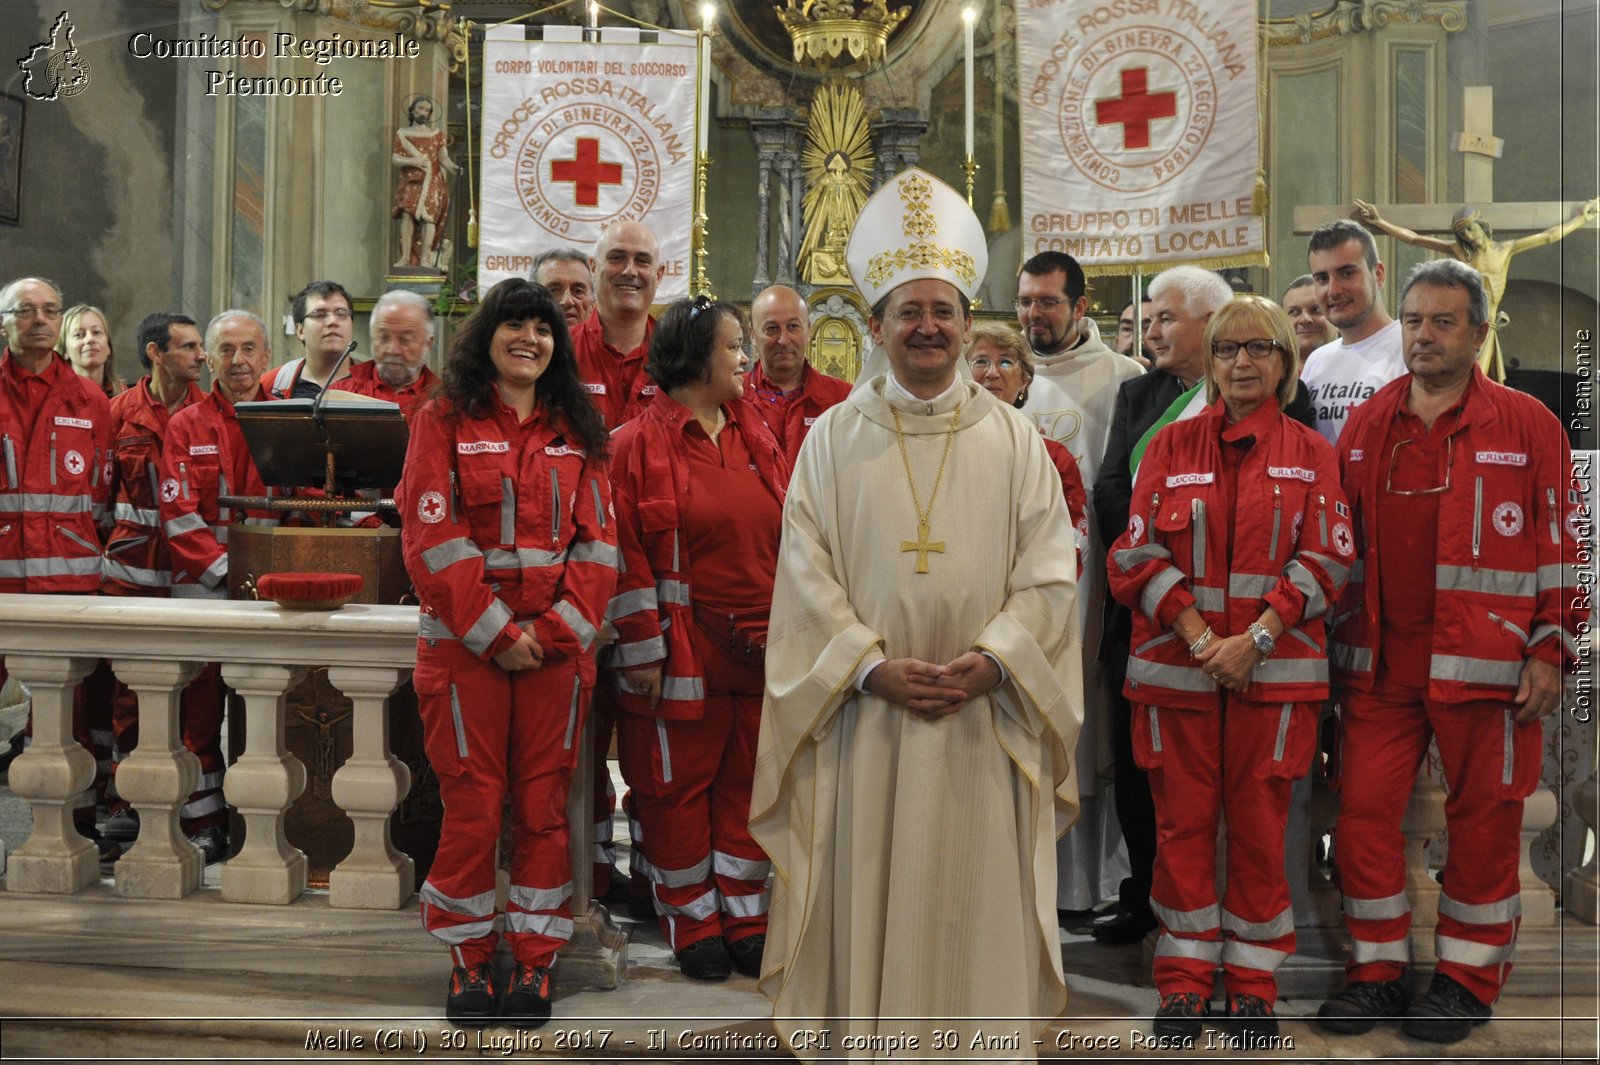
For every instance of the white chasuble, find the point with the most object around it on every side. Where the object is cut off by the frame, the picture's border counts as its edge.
(915, 859)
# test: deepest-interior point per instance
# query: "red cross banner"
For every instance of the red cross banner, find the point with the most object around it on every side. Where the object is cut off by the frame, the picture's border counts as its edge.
(577, 135)
(1140, 132)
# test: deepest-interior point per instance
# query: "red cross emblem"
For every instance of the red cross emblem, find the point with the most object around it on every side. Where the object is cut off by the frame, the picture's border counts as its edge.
(1508, 519)
(586, 172)
(430, 508)
(1135, 108)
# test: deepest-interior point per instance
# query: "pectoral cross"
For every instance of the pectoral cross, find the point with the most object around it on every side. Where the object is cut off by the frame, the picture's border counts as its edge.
(921, 546)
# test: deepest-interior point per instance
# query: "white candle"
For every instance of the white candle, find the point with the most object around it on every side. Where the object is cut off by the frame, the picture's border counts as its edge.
(594, 17)
(708, 14)
(969, 15)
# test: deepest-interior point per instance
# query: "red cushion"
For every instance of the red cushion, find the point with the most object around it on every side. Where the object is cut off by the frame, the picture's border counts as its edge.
(308, 586)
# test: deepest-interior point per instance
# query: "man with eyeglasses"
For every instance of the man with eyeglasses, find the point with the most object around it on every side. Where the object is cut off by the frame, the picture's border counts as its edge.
(1079, 377)
(323, 323)
(784, 388)
(55, 485)
(1457, 627)
(908, 785)
(1349, 284)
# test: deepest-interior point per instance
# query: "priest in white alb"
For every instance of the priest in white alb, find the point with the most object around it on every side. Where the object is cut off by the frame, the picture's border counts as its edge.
(923, 683)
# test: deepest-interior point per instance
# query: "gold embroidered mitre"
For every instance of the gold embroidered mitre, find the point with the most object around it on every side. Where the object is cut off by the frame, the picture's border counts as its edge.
(916, 227)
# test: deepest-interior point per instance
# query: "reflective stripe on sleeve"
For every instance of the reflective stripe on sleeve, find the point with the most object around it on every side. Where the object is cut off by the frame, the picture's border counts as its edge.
(1306, 584)
(439, 556)
(137, 515)
(113, 570)
(597, 551)
(624, 655)
(1130, 557)
(579, 625)
(671, 591)
(631, 602)
(480, 637)
(522, 558)
(183, 523)
(1156, 589)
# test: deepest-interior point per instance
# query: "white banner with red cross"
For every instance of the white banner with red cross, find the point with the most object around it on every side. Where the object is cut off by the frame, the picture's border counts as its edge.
(1140, 132)
(579, 134)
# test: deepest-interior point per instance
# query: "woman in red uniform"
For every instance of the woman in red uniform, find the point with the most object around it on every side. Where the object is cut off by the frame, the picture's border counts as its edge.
(509, 540)
(699, 482)
(1238, 540)
(1002, 364)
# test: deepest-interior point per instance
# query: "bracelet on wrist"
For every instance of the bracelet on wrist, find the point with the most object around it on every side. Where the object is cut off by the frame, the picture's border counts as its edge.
(1201, 642)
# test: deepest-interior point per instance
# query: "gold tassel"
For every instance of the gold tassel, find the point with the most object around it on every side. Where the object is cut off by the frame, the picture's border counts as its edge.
(472, 227)
(999, 213)
(1258, 196)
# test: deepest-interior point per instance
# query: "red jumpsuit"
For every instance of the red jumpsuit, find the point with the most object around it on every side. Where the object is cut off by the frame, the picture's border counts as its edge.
(506, 526)
(698, 525)
(205, 457)
(1229, 519)
(791, 414)
(137, 563)
(55, 486)
(364, 381)
(1455, 591)
(619, 388)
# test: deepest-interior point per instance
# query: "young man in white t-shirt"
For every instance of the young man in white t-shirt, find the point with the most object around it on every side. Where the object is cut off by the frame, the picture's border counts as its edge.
(1349, 283)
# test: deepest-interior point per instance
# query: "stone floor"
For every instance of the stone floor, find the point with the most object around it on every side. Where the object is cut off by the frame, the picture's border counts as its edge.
(97, 977)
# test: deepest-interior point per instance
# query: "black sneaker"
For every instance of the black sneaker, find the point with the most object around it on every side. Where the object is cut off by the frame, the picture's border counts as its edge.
(471, 999)
(1181, 1016)
(213, 843)
(747, 953)
(1251, 1015)
(1358, 1008)
(1446, 1014)
(527, 1001)
(705, 959)
(122, 826)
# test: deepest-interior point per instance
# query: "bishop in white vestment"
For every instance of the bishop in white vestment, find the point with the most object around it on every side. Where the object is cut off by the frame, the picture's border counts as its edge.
(915, 761)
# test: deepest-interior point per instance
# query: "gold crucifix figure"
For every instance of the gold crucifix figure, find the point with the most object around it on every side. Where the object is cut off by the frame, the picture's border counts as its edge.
(921, 546)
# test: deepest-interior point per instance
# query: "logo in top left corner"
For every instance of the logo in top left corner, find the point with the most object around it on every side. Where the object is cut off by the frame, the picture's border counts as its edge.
(54, 69)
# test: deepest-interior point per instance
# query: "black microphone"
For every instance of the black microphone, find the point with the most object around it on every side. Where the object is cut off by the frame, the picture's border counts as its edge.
(316, 404)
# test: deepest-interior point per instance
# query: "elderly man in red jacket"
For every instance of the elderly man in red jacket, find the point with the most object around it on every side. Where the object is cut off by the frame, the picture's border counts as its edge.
(787, 392)
(1456, 629)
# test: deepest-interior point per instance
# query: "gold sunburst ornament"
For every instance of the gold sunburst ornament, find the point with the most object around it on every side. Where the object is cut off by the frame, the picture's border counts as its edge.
(838, 162)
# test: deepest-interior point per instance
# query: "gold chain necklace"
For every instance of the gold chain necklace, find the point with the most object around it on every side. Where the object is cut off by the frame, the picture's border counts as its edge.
(921, 544)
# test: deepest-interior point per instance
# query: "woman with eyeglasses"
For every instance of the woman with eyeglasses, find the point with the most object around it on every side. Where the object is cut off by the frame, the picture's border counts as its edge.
(1002, 364)
(699, 482)
(1238, 541)
(86, 344)
(509, 540)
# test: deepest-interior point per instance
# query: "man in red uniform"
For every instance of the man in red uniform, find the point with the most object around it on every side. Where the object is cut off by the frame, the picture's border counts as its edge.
(786, 392)
(1443, 464)
(613, 342)
(206, 458)
(611, 345)
(136, 561)
(570, 279)
(401, 331)
(55, 456)
(323, 325)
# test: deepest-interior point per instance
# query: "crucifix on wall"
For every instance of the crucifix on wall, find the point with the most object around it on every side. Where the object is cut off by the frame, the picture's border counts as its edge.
(1472, 227)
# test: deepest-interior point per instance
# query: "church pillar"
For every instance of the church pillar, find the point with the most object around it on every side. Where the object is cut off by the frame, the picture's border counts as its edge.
(596, 956)
(774, 130)
(897, 138)
(1581, 890)
(52, 774)
(157, 779)
(368, 787)
(261, 785)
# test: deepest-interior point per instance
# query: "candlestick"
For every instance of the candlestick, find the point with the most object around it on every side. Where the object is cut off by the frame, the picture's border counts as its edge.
(708, 16)
(969, 16)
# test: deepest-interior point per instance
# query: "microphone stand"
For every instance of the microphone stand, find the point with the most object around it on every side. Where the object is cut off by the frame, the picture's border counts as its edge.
(329, 484)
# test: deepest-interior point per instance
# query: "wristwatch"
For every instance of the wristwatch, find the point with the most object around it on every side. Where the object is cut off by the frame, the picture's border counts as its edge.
(1262, 639)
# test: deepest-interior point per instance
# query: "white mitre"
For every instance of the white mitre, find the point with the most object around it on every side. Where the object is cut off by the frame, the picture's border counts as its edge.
(912, 228)
(916, 227)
